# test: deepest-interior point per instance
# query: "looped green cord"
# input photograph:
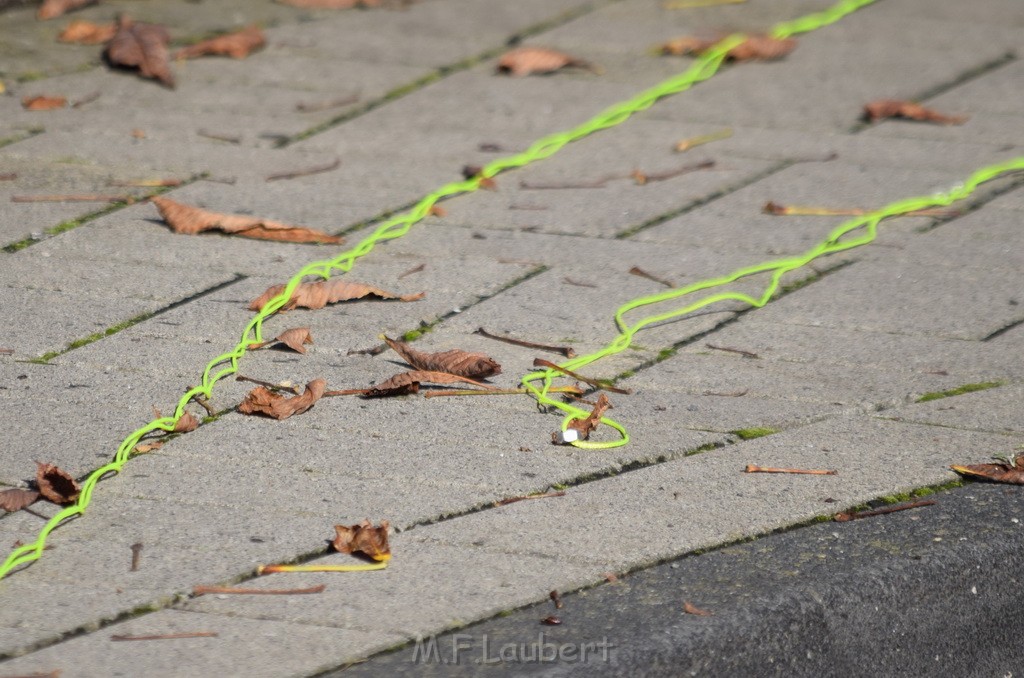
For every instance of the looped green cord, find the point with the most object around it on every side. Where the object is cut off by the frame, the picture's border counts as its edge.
(705, 66)
(835, 242)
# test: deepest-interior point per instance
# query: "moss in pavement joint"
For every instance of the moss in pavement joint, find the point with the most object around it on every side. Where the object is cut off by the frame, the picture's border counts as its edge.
(753, 432)
(960, 390)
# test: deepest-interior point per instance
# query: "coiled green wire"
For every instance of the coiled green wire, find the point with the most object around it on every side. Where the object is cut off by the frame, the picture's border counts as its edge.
(706, 65)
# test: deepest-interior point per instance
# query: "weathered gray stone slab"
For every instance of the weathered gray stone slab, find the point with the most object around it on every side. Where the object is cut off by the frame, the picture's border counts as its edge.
(995, 409)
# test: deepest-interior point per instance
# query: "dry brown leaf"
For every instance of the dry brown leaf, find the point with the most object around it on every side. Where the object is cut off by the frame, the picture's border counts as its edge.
(81, 32)
(331, 4)
(56, 485)
(43, 103)
(892, 108)
(145, 448)
(588, 424)
(363, 538)
(295, 338)
(424, 376)
(51, 9)
(236, 45)
(142, 46)
(527, 60)
(690, 608)
(454, 361)
(1009, 471)
(391, 391)
(191, 220)
(16, 499)
(319, 294)
(755, 47)
(262, 400)
(186, 423)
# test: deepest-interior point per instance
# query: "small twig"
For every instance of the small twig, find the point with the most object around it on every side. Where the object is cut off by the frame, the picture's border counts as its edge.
(230, 181)
(324, 105)
(81, 197)
(570, 281)
(540, 362)
(798, 471)
(229, 138)
(168, 636)
(556, 599)
(136, 554)
(636, 270)
(9, 176)
(490, 147)
(52, 674)
(205, 404)
(844, 517)
(87, 99)
(512, 500)
(733, 394)
(687, 144)
(531, 208)
(414, 269)
(562, 350)
(6, 351)
(267, 384)
(745, 354)
(596, 183)
(643, 178)
(147, 183)
(202, 590)
(376, 350)
(271, 569)
(306, 172)
(777, 209)
(571, 390)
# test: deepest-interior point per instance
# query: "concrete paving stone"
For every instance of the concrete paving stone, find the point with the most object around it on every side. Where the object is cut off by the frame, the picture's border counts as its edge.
(812, 91)
(85, 579)
(704, 501)
(613, 155)
(1004, 13)
(982, 127)
(996, 409)
(914, 291)
(950, 360)
(395, 601)
(252, 647)
(1013, 200)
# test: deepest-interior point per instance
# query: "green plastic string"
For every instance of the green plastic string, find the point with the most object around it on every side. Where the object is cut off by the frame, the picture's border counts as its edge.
(835, 242)
(705, 66)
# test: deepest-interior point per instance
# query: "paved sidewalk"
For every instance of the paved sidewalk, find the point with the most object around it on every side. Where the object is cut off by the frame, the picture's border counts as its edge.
(105, 314)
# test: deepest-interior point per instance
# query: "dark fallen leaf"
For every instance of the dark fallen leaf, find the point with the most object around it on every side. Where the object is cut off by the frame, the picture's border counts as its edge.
(43, 103)
(551, 621)
(363, 538)
(237, 45)
(51, 9)
(454, 361)
(424, 376)
(56, 485)
(186, 423)
(587, 425)
(556, 599)
(1011, 472)
(690, 608)
(319, 294)
(142, 46)
(295, 339)
(15, 498)
(81, 32)
(191, 220)
(755, 47)
(262, 400)
(891, 108)
(527, 60)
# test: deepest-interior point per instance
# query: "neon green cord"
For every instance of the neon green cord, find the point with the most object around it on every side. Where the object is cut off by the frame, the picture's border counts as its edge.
(705, 66)
(835, 242)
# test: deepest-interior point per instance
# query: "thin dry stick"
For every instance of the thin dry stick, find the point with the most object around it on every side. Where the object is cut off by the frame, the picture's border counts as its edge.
(168, 636)
(687, 144)
(804, 211)
(540, 362)
(643, 178)
(87, 99)
(306, 172)
(512, 500)
(267, 384)
(231, 139)
(147, 183)
(531, 208)
(732, 394)
(596, 183)
(636, 270)
(6, 351)
(136, 554)
(562, 350)
(203, 590)
(414, 269)
(9, 176)
(81, 197)
(205, 404)
(577, 283)
(751, 468)
(745, 354)
(844, 517)
(571, 390)
(324, 105)
(691, 4)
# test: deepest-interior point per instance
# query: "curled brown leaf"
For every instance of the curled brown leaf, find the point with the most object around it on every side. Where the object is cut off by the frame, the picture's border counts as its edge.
(237, 45)
(1008, 471)
(527, 60)
(295, 339)
(51, 9)
(363, 538)
(191, 220)
(186, 423)
(454, 361)
(908, 110)
(15, 498)
(262, 400)
(81, 32)
(425, 377)
(319, 294)
(754, 47)
(55, 484)
(43, 103)
(142, 46)
(586, 425)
